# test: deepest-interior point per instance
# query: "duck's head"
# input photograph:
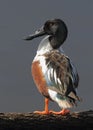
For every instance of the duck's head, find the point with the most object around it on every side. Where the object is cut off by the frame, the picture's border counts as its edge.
(56, 29)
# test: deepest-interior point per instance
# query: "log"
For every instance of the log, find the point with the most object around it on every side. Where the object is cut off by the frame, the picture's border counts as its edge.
(31, 121)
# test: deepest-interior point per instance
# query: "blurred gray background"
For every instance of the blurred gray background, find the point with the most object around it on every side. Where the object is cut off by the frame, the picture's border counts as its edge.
(20, 18)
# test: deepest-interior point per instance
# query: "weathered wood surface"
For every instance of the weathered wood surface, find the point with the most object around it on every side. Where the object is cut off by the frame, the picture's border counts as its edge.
(31, 121)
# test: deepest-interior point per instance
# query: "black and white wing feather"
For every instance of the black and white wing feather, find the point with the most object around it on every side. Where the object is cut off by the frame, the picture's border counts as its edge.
(61, 75)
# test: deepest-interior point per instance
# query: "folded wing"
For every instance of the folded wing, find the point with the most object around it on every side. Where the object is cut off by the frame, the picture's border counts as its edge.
(61, 75)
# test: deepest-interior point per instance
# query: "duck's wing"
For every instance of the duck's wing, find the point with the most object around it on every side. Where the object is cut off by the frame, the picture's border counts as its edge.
(61, 75)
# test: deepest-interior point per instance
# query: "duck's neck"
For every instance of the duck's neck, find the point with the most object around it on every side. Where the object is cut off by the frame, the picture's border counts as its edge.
(51, 42)
(58, 39)
(44, 46)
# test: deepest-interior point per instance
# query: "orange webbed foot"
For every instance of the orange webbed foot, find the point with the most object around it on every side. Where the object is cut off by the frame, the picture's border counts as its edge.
(42, 112)
(63, 112)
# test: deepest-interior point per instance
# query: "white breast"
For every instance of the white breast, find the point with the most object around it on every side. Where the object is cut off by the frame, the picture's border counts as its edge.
(44, 46)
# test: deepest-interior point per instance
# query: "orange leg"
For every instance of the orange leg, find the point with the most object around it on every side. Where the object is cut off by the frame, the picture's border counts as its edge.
(46, 111)
(62, 112)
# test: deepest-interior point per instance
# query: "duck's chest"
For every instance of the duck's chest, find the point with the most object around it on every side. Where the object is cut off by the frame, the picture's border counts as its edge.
(39, 69)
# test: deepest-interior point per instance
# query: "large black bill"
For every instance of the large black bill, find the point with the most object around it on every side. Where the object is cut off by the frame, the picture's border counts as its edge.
(38, 33)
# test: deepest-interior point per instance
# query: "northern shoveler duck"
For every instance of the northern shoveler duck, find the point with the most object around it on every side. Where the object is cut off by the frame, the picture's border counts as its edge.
(53, 72)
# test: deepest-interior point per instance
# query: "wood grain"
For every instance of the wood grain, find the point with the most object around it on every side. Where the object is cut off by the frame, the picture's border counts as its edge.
(31, 121)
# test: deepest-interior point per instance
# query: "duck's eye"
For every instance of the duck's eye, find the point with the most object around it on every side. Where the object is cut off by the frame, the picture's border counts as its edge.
(51, 24)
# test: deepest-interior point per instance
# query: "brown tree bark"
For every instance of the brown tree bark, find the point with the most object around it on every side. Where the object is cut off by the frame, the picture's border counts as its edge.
(31, 121)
